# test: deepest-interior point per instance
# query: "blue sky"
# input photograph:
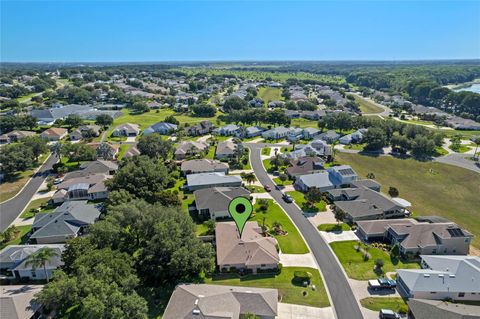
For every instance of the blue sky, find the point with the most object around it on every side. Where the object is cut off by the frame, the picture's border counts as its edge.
(66, 31)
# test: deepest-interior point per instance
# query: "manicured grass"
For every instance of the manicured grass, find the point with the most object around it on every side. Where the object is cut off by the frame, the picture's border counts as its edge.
(303, 123)
(357, 268)
(292, 243)
(440, 151)
(461, 149)
(26, 98)
(267, 165)
(333, 227)
(278, 181)
(123, 149)
(35, 204)
(366, 106)
(9, 189)
(248, 165)
(255, 189)
(396, 304)
(201, 229)
(299, 199)
(211, 152)
(358, 147)
(432, 188)
(289, 290)
(268, 94)
(21, 237)
(266, 151)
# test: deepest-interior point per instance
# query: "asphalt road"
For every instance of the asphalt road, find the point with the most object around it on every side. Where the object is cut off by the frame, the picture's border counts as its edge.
(11, 209)
(345, 304)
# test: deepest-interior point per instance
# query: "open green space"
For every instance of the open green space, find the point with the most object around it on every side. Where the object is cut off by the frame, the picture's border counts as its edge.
(21, 237)
(299, 199)
(460, 149)
(268, 94)
(292, 243)
(266, 151)
(358, 147)
(303, 123)
(440, 151)
(358, 268)
(333, 227)
(396, 304)
(367, 107)
(289, 289)
(10, 188)
(433, 188)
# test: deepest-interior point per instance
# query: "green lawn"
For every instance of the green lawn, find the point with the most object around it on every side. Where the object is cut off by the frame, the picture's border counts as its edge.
(268, 94)
(366, 106)
(289, 289)
(333, 227)
(396, 304)
(9, 189)
(440, 151)
(460, 149)
(34, 204)
(123, 149)
(303, 123)
(211, 152)
(278, 181)
(358, 147)
(432, 188)
(21, 238)
(255, 189)
(267, 165)
(357, 268)
(299, 199)
(290, 244)
(266, 151)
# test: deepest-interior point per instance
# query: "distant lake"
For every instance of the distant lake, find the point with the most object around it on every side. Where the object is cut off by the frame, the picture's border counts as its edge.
(475, 87)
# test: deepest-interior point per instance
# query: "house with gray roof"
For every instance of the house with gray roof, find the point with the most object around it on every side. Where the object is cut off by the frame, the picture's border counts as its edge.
(190, 301)
(305, 165)
(333, 177)
(276, 133)
(253, 131)
(209, 180)
(202, 128)
(229, 130)
(310, 133)
(252, 251)
(213, 202)
(79, 133)
(89, 187)
(15, 136)
(93, 167)
(314, 148)
(454, 278)
(126, 129)
(355, 137)
(16, 301)
(203, 166)
(438, 309)
(13, 260)
(415, 238)
(67, 221)
(329, 136)
(58, 111)
(163, 128)
(225, 150)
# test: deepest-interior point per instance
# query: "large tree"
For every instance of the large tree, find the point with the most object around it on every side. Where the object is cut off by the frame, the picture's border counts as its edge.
(234, 103)
(142, 177)
(155, 146)
(375, 138)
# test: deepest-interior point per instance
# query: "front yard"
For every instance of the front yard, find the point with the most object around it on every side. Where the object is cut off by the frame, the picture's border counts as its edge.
(333, 227)
(290, 290)
(358, 268)
(396, 304)
(299, 199)
(292, 243)
(20, 238)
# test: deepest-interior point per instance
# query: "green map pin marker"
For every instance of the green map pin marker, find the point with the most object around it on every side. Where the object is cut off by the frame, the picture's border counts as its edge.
(240, 208)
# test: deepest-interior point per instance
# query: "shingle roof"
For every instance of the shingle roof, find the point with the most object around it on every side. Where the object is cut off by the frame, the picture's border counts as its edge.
(17, 254)
(55, 131)
(203, 165)
(191, 301)
(217, 198)
(251, 250)
(189, 146)
(211, 179)
(226, 148)
(438, 309)
(16, 301)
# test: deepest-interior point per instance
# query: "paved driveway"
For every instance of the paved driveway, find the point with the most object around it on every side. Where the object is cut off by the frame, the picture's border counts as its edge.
(339, 236)
(298, 260)
(10, 209)
(345, 304)
(289, 311)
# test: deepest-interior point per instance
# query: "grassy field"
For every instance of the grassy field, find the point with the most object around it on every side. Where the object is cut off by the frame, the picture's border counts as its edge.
(9, 189)
(396, 304)
(366, 106)
(303, 123)
(358, 147)
(357, 268)
(299, 199)
(432, 188)
(333, 227)
(290, 244)
(21, 237)
(289, 290)
(268, 94)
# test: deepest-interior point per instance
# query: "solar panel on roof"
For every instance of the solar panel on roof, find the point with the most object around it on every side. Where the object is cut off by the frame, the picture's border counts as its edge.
(346, 171)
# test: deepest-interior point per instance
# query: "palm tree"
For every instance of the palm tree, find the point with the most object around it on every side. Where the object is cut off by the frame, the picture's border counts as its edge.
(476, 140)
(40, 259)
(250, 177)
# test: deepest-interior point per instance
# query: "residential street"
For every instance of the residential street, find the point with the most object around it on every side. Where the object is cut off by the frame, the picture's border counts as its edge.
(10, 209)
(344, 302)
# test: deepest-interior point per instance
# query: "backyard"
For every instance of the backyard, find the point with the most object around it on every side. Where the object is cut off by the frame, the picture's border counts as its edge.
(268, 94)
(289, 289)
(358, 268)
(367, 107)
(292, 243)
(432, 188)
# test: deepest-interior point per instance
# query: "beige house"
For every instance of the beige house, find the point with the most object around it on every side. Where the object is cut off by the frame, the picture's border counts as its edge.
(251, 252)
(54, 133)
(189, 148)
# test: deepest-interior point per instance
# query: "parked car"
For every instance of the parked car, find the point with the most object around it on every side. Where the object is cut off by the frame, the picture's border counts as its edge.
(287, 198)
(267, 188)
(388, 314)
(387, 283)
(57, 181)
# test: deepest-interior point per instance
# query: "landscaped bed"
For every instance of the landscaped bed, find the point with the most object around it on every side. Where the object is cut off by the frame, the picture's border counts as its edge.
(333, 227)
(290, 290)
(358, 268)
(290, 244)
